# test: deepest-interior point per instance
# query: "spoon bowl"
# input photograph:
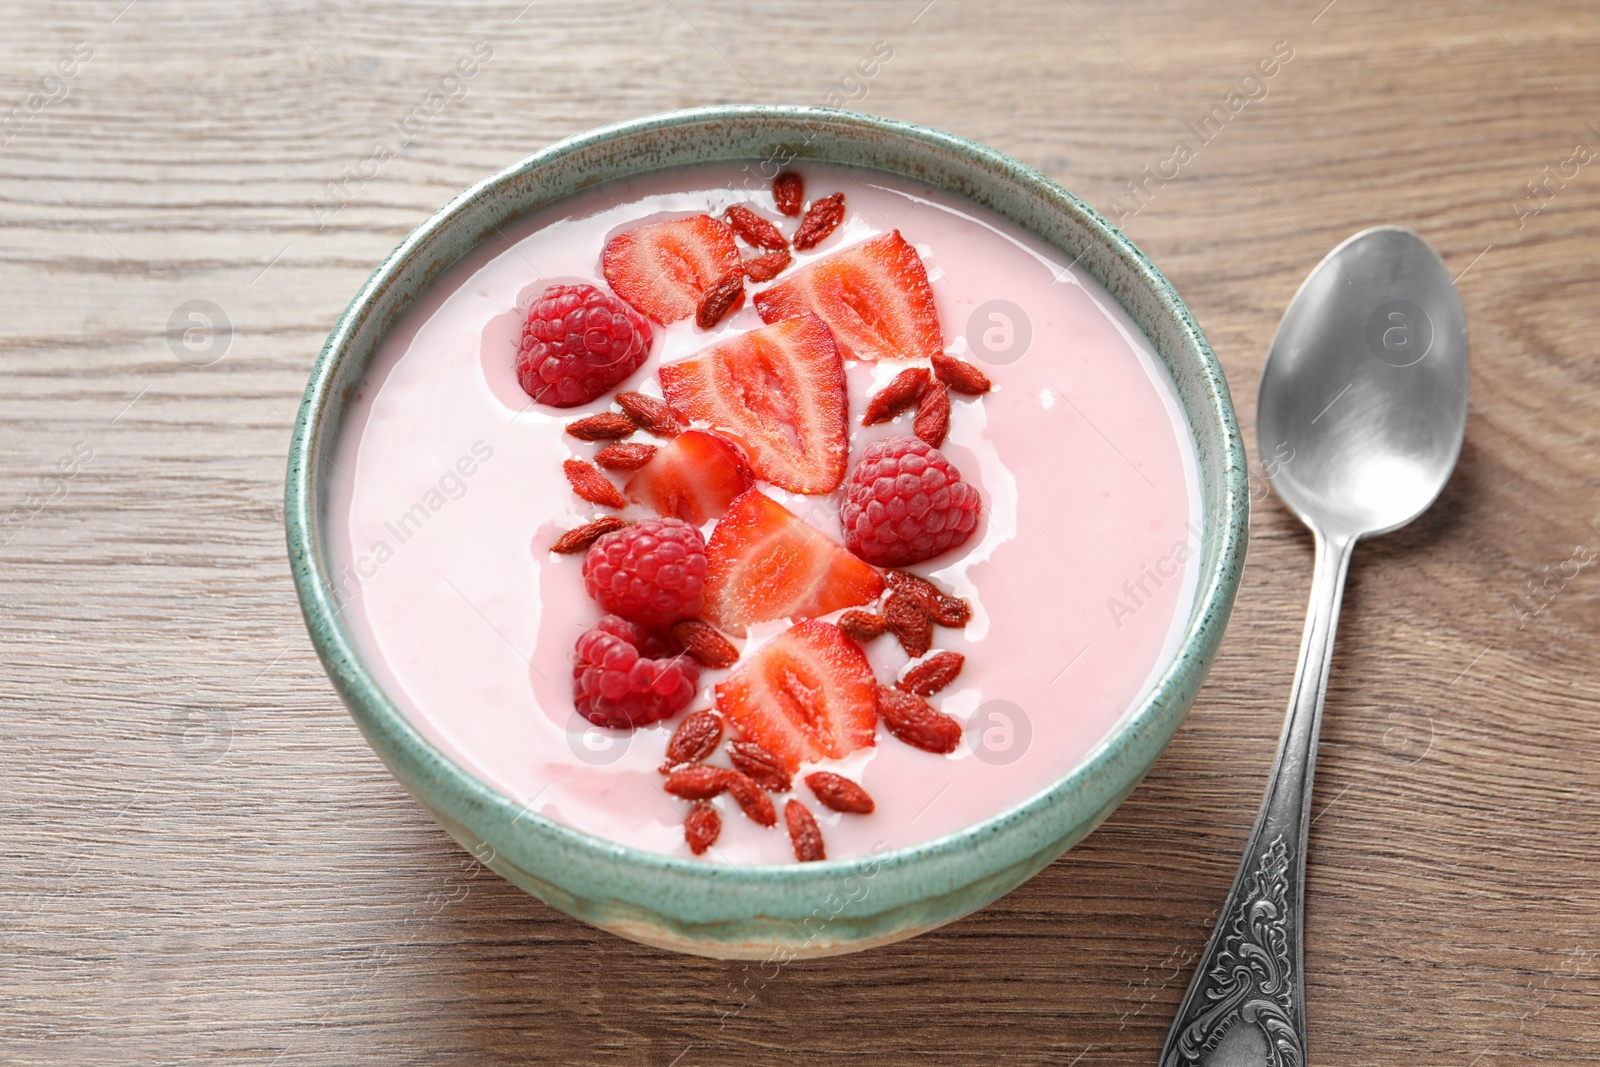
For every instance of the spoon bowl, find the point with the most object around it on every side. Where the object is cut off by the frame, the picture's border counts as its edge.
(1363, 402)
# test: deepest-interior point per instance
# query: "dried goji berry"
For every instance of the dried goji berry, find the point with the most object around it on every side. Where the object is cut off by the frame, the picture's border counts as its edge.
(589, 483)
(767, 267)
(755, 230)
(840, 793)
(933, 415)
(789, 192)
(960, 375)
(605, 426)
(581, 538)
(804, 833)
(625, 457)
(821, 218)
(695, 738)
(650, 414)
(719, 298)
(913, 721)
(763, 768)
(705, 643)
(903, 391)
(701, 827)
(932, 674)
(862, 625)
(909, 621)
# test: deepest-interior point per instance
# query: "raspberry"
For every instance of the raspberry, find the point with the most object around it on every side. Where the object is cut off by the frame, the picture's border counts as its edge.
(905, 503)
(578, 343)
(613, 685)
(652, 572)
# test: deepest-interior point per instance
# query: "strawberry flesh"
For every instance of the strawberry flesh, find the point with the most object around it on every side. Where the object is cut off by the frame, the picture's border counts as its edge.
(874, 296)
(693, 477)
(664, 269)
(763, 562)
(806, 695)
(779, 389)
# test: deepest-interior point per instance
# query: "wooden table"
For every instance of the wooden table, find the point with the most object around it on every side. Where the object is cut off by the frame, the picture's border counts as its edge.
(202, 860)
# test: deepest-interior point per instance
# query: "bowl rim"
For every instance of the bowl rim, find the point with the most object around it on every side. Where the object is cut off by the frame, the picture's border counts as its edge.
(380, 718)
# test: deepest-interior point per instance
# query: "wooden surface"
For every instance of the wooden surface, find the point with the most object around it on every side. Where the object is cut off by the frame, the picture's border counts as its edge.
(201, 861)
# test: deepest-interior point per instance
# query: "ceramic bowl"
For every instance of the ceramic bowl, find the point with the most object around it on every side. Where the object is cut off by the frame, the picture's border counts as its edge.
(772, 912)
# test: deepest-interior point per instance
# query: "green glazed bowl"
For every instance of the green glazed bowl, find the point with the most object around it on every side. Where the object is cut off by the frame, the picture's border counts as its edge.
(813, 909)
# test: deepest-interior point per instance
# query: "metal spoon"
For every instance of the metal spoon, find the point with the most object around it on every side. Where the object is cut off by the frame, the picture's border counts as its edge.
(1362, 410)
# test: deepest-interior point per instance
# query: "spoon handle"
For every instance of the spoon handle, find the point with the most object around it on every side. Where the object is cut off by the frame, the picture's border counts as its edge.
(1246, 1002)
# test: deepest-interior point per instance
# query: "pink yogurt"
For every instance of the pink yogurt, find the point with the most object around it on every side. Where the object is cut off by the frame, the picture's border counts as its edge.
(450, 489)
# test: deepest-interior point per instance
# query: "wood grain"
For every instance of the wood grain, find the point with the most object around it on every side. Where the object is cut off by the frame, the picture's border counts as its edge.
(203, 862)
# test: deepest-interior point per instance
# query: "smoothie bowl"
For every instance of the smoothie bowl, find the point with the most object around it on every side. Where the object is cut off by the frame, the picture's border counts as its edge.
(767, 532)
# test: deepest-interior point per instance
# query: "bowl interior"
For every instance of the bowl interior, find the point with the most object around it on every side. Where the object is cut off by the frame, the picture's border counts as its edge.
(767, 138)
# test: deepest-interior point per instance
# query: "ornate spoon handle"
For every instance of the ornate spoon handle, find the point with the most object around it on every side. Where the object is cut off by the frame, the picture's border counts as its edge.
(1246, 1003)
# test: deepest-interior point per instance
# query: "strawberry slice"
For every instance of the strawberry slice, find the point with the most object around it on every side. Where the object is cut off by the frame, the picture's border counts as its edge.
(693, 477)
(780, 389)
(764, 562)
(874, 296)
(664, 268)
(805, 695)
